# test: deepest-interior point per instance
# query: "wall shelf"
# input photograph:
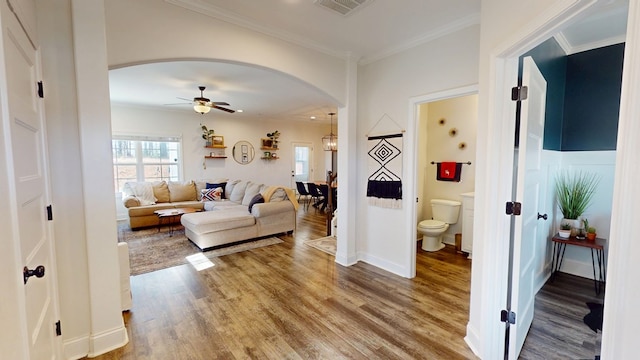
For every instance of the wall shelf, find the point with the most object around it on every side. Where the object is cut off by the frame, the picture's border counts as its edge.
(215, 147)
(215, 157)
(269, 158)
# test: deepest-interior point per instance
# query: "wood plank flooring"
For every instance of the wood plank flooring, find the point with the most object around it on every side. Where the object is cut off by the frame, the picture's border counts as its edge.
(291, 301)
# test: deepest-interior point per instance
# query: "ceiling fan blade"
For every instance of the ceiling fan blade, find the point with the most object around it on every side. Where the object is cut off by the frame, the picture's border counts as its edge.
(223, 109)
(182, 103)
(219, 103)
(189, 100)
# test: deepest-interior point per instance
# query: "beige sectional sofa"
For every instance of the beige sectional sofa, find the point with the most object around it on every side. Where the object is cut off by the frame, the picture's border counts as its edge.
(142, 199)
(246, 209)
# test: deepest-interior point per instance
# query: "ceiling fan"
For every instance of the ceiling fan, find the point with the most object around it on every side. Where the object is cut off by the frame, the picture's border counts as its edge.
(203, 105)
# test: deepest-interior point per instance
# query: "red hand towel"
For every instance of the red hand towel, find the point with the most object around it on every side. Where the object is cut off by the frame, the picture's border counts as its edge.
(448, 170)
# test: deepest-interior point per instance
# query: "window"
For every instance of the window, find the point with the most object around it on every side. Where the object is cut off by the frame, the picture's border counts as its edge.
(145, 159)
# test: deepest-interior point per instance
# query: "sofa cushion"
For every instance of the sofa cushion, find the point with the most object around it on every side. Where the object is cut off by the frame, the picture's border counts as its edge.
(237, 194)
(257, 199)
(252, 190)
(212, 221)
(182, 191)
(229, 188)
(161, 191)
(149, 209)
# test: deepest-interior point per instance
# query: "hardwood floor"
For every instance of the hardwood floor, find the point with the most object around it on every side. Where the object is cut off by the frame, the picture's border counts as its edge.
(291, 301)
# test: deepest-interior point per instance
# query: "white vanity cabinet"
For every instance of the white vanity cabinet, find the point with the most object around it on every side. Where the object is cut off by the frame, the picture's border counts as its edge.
(467, 222)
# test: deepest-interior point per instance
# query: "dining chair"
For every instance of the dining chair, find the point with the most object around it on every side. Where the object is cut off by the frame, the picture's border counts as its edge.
(315, 194)
(303, 192)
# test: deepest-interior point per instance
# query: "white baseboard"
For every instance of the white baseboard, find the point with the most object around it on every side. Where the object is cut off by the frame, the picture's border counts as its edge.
(107, 341)
(76, 348)
(384, 264)
(472, 339)
(578, 268)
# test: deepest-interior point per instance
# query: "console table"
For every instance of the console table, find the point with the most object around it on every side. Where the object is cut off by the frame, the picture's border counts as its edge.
(597, 253)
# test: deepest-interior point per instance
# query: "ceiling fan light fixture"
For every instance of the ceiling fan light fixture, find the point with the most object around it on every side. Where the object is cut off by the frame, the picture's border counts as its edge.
(201, 108)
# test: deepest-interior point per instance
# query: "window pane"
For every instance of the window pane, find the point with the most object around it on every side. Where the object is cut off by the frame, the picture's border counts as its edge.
(143, 160)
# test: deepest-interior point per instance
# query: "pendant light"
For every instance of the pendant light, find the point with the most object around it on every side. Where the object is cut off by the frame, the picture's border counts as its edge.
(330, 142)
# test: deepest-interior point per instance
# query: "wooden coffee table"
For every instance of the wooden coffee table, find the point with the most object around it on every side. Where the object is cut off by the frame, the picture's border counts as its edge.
(171, 216)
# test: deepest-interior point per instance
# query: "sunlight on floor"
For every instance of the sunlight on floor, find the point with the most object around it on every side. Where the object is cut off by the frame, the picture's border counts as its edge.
(199, 261)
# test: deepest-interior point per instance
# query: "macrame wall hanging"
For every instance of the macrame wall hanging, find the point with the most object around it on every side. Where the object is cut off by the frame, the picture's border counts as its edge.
(384, 186)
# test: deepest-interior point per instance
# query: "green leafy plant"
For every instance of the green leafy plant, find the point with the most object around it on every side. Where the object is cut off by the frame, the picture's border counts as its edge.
(206, 133)
(574, 192)
(565, 226)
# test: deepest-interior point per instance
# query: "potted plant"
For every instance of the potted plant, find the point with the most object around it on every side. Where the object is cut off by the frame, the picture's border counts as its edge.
(574, 193)
(565, 230)
(590, 230)
(207, 135)
(274, 138)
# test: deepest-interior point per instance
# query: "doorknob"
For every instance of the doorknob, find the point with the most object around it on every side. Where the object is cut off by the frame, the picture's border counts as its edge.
(37, 272)
(542, 216)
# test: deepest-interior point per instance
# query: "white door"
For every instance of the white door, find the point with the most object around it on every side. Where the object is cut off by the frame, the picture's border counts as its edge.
(24, 149)
(302, 163)
(528, 193)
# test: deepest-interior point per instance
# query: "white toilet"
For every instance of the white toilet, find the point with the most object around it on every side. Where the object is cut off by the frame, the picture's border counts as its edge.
(445, 213)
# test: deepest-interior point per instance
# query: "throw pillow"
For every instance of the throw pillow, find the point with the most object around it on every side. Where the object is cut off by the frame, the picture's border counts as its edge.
(237, 194)
(255, 200)
(161, 191)
(218, 185)
(182, 191)
(211, 194)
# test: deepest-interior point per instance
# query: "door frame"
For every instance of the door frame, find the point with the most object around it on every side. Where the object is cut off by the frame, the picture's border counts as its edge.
(488, 285)
(414, 123)
(312, 160)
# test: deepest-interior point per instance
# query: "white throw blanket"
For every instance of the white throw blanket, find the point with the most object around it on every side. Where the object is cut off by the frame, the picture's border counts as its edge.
(142, 190)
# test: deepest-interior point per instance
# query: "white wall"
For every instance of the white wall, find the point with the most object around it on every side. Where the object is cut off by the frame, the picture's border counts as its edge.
(144, 31)
(385, 88)
(577, 261)
(460, 113)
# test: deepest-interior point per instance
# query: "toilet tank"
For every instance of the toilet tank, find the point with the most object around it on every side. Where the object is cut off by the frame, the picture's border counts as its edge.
(445, 210)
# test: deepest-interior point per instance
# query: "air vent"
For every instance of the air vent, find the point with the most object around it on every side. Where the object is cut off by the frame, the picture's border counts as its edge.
(343, 7)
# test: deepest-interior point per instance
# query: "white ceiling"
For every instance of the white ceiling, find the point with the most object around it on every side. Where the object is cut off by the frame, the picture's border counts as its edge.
(372, 31)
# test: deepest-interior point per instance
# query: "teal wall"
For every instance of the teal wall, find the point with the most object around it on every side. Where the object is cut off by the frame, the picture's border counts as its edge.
(592, 99)
(583, 96)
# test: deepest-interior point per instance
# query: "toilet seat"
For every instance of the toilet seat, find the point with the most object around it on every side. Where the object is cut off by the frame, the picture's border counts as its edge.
(431, 224)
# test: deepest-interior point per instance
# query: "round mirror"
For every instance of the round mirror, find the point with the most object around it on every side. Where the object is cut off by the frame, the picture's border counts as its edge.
(243, 152)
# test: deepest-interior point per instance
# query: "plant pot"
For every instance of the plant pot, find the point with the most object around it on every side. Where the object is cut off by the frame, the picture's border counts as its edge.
(591, 236)
(565, 234)
(576, 225)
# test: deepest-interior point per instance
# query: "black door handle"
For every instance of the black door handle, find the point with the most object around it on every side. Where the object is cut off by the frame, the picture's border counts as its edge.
(542, 216)
(37, 272)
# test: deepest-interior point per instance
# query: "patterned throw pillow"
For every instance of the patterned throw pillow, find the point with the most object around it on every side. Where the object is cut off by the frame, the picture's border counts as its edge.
(212, 194)
(218, 185)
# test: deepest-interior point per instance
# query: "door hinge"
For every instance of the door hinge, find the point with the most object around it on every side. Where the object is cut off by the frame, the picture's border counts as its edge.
(519, 93)
(507, 316)
(58, 328)
(49, 212)
(40, 89)
(513, 208)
